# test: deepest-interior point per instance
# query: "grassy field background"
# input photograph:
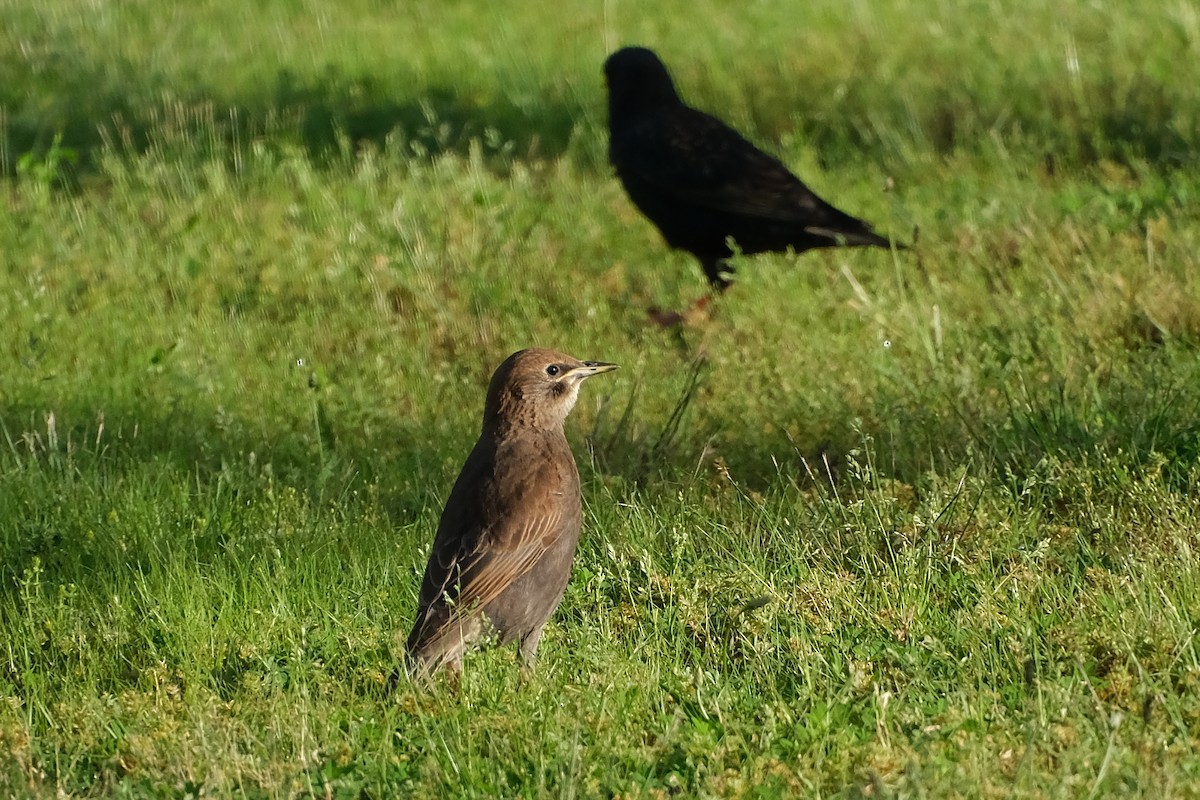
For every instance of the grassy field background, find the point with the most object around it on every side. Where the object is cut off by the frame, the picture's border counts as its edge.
(912, 525)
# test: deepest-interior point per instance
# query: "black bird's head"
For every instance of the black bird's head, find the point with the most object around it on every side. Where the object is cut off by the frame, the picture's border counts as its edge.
(536, 389)
(637, 81)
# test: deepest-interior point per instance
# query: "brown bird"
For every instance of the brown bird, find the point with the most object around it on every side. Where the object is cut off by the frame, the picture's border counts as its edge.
(503, 550)
(702, 184)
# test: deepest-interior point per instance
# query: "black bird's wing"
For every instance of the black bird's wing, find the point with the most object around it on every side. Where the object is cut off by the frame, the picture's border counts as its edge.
(691, 158)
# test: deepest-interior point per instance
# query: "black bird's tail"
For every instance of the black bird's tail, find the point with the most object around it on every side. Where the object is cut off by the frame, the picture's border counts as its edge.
(859, 236)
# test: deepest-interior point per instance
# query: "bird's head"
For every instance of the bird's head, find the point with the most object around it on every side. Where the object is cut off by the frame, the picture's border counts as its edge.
(536, 389)
(637, 81)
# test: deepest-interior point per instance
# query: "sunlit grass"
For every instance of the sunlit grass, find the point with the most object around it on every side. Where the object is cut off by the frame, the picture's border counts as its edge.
(912, 524)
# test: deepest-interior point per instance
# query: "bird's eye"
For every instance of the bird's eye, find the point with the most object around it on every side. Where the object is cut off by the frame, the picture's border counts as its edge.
(552, 369)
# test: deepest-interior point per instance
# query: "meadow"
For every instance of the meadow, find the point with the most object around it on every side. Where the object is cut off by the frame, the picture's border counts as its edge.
(918, 524)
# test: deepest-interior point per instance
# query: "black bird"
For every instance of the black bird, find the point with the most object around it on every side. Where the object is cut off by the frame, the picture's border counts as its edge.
(504, 546)
(702, 184)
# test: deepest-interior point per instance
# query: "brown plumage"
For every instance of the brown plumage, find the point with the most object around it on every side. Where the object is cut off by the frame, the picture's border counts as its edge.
(503, 550)
(702, 184)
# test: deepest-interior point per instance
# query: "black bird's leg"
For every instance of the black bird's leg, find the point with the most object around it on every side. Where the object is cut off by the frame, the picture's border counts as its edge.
(717, 269)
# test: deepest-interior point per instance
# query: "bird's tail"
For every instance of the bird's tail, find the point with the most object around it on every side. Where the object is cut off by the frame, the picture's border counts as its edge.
(861, 237)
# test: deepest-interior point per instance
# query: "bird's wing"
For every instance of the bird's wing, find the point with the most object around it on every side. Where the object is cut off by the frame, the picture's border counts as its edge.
(486, 541)
(505, 552)
(696, 159)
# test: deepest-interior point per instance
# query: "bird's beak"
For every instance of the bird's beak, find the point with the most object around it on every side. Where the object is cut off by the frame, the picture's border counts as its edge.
(591, 368)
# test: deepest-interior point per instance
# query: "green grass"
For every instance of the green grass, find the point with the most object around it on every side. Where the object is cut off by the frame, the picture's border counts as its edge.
(913, 525)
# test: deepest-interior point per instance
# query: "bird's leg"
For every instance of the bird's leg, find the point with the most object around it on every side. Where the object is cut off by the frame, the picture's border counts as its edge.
(716, 269)
(529, 647)
(663, 318)
(454, 674)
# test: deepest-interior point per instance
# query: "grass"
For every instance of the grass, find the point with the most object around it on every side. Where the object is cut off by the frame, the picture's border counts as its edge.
(912, 525)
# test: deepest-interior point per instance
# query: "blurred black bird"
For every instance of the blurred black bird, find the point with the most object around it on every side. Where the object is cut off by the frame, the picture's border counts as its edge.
(504, 546)
(702, 184)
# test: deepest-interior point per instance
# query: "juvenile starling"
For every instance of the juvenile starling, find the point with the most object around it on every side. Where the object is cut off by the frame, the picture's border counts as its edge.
(701, 183)
(503, 550)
